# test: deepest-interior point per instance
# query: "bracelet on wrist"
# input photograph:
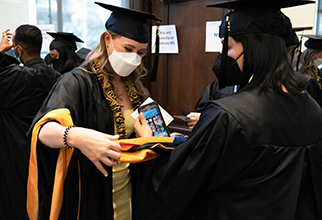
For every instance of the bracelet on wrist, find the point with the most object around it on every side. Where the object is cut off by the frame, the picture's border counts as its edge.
(65, 136)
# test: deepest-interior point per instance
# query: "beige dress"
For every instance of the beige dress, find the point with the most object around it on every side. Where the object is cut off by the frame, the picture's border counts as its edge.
(122, 189)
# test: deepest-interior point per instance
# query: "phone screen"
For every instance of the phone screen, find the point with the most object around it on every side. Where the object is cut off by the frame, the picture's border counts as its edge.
(155, 121)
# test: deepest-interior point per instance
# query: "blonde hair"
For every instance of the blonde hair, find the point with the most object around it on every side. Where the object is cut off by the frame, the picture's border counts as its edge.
(307, 65)
(100, 52)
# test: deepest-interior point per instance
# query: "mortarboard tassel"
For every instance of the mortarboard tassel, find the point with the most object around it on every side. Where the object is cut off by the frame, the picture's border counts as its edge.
(156, 55)
(223, 68)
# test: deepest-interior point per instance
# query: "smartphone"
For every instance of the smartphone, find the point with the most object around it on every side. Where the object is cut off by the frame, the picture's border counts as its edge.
(154, 119)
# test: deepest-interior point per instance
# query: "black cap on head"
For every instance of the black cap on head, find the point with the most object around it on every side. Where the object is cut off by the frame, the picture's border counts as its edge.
(314, 42)
(63, 39)
(293, 40)
(233, 4)
(128, 23)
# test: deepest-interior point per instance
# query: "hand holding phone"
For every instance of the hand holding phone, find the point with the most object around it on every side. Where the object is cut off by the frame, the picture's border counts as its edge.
(154, 119)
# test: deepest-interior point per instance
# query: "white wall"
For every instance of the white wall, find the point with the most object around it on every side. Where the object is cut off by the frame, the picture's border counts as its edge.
(301, 17)
(16, 12)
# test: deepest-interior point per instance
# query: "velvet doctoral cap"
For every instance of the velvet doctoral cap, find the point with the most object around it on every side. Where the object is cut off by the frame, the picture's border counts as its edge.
(128, 22)
(314, 42)
(63, 39)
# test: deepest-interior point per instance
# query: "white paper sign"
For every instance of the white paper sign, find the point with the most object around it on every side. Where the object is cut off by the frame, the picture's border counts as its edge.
(168, 39)
(213, 43)
(46, 38)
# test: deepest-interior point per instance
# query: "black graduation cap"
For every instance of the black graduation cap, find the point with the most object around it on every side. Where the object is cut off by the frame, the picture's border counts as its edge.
(293, 40)
(258, 16)
(314, 42)
(297, 29)
(133, 25)
(253, 16)
(82, 53)
(128, 22)
(233, 4)
(63, 39)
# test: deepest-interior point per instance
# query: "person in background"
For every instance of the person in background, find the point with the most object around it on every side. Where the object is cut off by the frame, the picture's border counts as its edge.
(63, 57)
(310, 59)
(292, 44)
(98, 98)
(23, 88)
(256, 154)
(213, 91)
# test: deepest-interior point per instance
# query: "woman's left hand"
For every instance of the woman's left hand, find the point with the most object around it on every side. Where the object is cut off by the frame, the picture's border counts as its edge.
(141, 127)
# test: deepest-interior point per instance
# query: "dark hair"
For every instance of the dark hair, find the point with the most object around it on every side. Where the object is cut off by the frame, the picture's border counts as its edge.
(30, 38)
(67, 61)
(266, 61)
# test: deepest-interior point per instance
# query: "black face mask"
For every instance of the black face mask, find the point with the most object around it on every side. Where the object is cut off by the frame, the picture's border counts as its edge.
(54, 62)
(233, 74)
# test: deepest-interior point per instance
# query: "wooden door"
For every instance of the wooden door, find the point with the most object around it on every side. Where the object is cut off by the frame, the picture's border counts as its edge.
(182, 77)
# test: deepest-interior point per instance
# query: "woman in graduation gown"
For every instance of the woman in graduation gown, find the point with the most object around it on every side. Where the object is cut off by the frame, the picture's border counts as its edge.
(62, 56)
(73, 171)
(256, 154)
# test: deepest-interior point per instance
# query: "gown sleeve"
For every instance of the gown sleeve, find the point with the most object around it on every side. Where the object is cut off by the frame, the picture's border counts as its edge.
(12, 82)
(215, 153)
(6, 60)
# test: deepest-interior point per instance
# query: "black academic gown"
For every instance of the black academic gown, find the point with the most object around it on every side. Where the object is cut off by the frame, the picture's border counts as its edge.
(251, 156)
(22, 91)
(81, 93)
(212, 92)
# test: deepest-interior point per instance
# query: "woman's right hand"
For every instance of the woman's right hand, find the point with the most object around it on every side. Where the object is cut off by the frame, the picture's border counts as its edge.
(96, 146)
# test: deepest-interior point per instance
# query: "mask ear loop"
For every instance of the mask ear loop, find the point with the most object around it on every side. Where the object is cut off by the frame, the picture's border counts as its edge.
(18, 57)
(239, 55)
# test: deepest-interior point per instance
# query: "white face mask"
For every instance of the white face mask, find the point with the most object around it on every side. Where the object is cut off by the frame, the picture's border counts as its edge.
(123, 63)
(318, 61)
